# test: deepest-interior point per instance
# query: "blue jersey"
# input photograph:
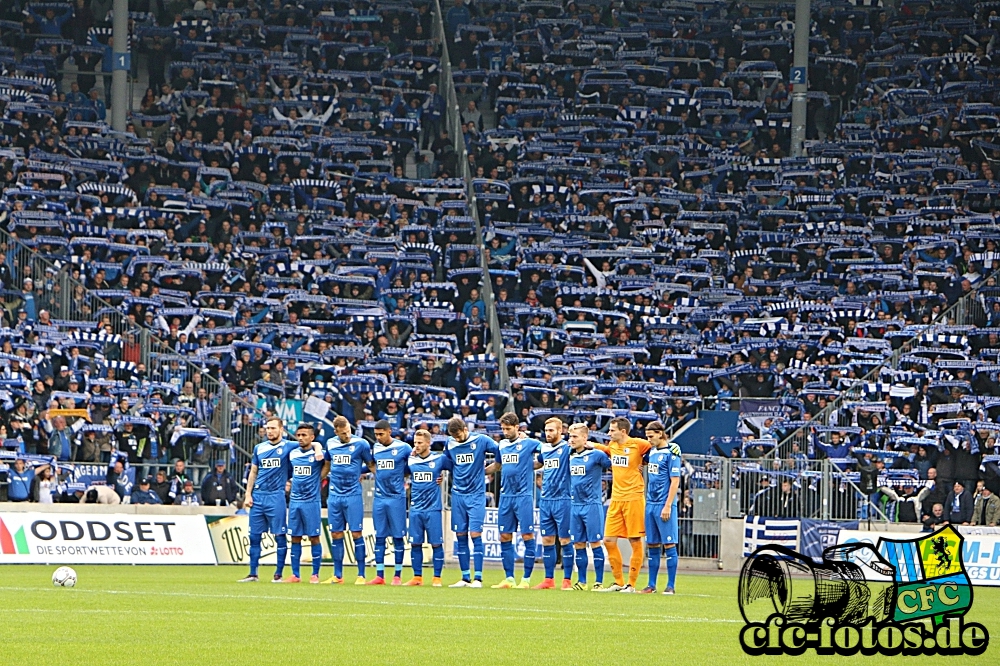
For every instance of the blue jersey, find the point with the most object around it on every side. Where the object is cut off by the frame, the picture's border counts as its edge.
(585, 471)
(347, 462)
(272, 466)
(555, 470)
(305, 475)
(663, 466)
(469, 460)
(425, 493)
(390, 468)
(518, 473)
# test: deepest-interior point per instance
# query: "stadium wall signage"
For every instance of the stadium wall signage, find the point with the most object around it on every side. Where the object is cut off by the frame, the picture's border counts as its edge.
(895, 597)
(79, 538)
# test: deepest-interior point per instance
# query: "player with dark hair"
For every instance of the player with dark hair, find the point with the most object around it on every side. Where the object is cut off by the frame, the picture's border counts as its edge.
(663, 478)
(304, 506)
(389, 506)
(517, 465)
(467, 453)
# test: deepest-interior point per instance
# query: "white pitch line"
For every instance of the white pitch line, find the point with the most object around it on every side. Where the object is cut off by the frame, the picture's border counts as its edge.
(531, 613)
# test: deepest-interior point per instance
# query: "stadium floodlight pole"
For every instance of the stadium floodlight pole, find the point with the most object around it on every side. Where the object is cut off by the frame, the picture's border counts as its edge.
(120, 67)
(800, 84)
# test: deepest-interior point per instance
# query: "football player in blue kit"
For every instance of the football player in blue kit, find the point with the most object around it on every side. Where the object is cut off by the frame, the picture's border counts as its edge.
(586, 468)
(350, 456)
(663, 478)
(304, 507)
(389, 506)
(425, 467)
(467, 453)
(517, 466)
(265, 498)
(554, 507)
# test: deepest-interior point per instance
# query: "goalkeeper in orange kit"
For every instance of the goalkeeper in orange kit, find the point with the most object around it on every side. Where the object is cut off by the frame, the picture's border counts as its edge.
(626, 513)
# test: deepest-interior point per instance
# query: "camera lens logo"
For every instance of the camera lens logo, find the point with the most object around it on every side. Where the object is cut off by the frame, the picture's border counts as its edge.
(873, 600)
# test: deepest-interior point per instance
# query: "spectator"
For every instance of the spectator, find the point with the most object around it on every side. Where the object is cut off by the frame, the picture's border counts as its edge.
(144, 495)
(218, 488)
(161, 487)
(20, 479)
(46, 486)
(61, 443)
(936, 517)
(187, 497)
(102, 495)
(959, 505)
(987, 509)
(177, 481)
(118, 478)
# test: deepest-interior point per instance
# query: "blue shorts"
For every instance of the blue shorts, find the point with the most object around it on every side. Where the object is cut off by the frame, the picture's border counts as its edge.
(428, 522)
(660, 531)
(467, 513)
(516, 512)
(554, 517)
(345, 513)
(269, 514)
(389, 516)
(304, 518)
(586, 523)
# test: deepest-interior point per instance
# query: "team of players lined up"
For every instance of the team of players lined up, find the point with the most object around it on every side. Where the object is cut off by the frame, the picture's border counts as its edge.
(571, 509)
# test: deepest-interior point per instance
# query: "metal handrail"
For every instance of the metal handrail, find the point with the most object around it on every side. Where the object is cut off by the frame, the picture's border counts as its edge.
(447, 86)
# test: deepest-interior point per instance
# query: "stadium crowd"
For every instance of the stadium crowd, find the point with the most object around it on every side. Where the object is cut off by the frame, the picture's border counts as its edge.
(285, 213)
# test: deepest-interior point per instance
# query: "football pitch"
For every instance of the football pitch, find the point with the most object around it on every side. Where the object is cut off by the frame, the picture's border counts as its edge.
(200, 616)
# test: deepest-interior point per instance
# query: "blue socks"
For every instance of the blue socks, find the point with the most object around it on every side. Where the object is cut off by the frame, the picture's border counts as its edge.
(397, 546)
(581, 565)
(254, 553)
(282, 542)
(359, 555)
(477, 556)
(599, 565)
(567, 557)
(379, 556)
(549, 559)
(337, 551)
(529, 557)
(417, 558)
(654, 554)
(438, 559)
(462, 551)
(317, 555)
(296, 557)
(672, 560)
(507, 557)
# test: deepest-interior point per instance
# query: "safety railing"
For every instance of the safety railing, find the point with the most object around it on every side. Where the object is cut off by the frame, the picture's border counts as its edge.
(453, 122)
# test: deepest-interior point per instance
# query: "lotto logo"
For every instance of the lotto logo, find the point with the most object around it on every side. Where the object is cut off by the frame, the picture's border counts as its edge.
(302, 470)
(653, 468)
(509, 458)
(423, 477)
(577, 470)
(464, 459)
(619, 461)
(551, 463)
(385, 464)
(342, 459)
(270, 463)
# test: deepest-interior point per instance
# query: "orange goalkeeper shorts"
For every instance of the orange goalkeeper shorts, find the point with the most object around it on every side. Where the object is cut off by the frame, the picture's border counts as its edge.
(626, 519)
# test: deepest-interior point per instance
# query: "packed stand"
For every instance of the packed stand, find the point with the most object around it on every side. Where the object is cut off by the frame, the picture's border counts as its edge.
(653, 247)
(281, 215)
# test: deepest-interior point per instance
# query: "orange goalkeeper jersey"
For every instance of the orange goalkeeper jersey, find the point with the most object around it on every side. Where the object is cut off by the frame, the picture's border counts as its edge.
(626, 467)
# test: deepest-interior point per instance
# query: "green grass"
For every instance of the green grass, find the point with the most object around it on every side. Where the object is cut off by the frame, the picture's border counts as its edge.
(200, 616)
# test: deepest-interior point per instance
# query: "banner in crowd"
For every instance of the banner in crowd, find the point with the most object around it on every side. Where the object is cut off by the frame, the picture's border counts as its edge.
(980, 550)
(759, 531)
(77, 538)
(818, 535)
(289, 411)
(91, 473)
(754, 415)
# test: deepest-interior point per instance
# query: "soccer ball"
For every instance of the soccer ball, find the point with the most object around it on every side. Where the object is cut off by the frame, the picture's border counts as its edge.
(64, 577)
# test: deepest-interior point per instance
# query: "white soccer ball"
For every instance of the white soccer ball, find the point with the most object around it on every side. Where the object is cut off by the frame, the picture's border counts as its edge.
(64, 577)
